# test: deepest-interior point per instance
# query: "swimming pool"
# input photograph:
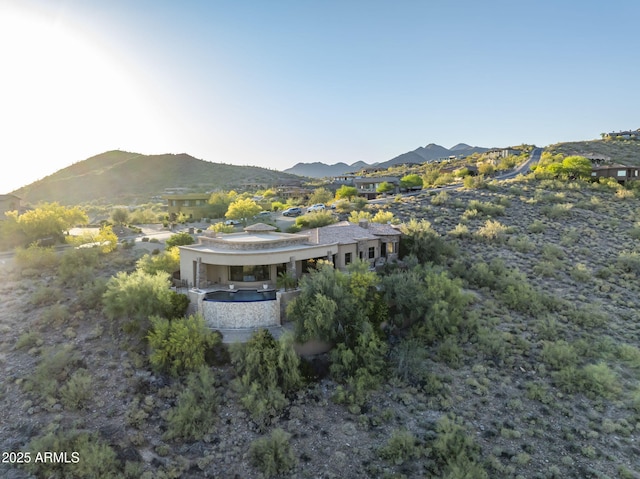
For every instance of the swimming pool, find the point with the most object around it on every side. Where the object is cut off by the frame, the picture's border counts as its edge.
(241, 295)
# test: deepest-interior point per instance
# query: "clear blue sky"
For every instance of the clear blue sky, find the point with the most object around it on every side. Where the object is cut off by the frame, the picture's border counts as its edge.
(273, 83)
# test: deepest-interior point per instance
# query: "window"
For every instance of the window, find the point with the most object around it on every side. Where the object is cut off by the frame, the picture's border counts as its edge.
(621, 173)
(372, 252)
(259, 272)
(347, 258)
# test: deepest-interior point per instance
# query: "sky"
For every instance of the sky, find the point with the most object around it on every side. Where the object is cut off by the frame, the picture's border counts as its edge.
(274, 83)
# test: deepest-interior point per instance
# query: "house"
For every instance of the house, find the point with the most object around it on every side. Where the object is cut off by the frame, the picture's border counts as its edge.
(9, 203)
(232, 277)
(193, 205)
(621, 173)
(622, 135)
(368, 186)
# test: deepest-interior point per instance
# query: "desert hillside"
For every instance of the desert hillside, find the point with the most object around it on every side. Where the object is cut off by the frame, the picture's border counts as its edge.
(539, 377)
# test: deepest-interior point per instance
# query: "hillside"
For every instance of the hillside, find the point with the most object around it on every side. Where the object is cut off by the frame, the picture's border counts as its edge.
(620, 151)
(119, 176)
(540, 381)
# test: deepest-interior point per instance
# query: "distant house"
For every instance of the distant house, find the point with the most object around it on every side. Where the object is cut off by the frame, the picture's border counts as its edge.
(194, 205)
(473, 169)
(368, 187)
(9, 203)
(622, 135)
(497, 153)
(620, 173)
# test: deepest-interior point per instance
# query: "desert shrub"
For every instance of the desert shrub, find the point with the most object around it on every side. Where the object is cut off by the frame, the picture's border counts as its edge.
(179, 346)
(78, 266)
(194, 414)
(167, 261)
(537, 226)
(485, 208)
(492, 344)
(267, 369)
(89, 295)
(88, 456)
(36, 259)
(559, 354)
(45, 295)
(455, 452)
(401, 446)
(521, 243)
(360, 368)
(624, 194)
(557, 211)
(56, 365)
(423, 242)
(460, 231)
(77, 390)
(440, 199)
(28, 340)
(427, 299)
(407, 359)
(629, 261)
(492, 230)
(136, 297)
(599, 380)
(450, 352)
(581, 273)
(547, 269)
(587, 316)
(55, 314)
(315, 220)
(273, 455)
(179, 239)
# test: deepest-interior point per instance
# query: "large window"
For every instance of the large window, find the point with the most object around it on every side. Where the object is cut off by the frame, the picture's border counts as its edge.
(259, 272)
(372, 252)
(347, 258)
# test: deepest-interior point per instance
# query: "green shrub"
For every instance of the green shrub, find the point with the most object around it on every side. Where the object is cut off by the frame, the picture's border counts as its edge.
(401, 446)
(28, 340)
(450, 352)
(455, 451)
(136, 297)
(423, 242)
(45, 295)
(629, 261)
(267, 369)
(440, 199)
(88, 456)
(557, 211)
(180, 346)
(486, 208)
(492, 230)
(36, 259)
(598, 380)
(273, 455)
(195, 411)
(56, 365)
(536, 227)
(315, 220)
(78, 266)
(77, 390)
(56, 314)
(90, 294)
(559, 354)
(581, 273)
(460, 231)
(168, 261)
(179, 239)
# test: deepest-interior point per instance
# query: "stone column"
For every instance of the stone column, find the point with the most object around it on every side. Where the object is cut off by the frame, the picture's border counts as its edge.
(292, 267)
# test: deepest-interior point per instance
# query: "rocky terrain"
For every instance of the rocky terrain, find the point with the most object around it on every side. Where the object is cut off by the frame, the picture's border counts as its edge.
(576, 248)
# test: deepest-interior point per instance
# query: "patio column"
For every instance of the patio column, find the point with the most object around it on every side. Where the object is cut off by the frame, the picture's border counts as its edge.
(292, 267)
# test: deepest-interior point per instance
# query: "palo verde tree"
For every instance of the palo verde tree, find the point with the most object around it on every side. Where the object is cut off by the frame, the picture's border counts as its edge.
(220, 201)
(385, 187)
(321, 195)
(243, 210)
(577, 167)
(411, 181)
(49, 220)
(346, 192)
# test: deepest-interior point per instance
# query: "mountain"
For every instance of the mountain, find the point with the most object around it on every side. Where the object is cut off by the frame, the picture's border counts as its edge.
(320, 170)
(125, 176)
(422, 154)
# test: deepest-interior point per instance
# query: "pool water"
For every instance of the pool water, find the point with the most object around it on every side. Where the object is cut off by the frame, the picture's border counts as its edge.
(241, 295)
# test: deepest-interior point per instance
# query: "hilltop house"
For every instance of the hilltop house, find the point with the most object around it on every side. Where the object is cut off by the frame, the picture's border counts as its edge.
(232, 277)
(622, 135)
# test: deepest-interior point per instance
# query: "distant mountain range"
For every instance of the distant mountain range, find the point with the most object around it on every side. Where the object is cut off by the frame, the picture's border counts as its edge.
(423, 154)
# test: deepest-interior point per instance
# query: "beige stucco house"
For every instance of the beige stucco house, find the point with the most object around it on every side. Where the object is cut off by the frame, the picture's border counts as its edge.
(194, 205)
(232, 277)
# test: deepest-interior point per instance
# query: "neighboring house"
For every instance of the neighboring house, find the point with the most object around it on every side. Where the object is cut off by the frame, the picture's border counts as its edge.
(9, 203)
(193, 205)
(233, 277)
(623, 135)
(621, 173)
(368, 186)
(473, 169)
(287, 192)
(497, 153)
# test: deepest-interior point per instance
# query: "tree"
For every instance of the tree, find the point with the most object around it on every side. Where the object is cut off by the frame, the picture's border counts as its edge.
(411, 181)
(321, 195)
(49, 220)
(243, 209)
(168, 261)
(486, 169)
(383, 217)
(422, 241)
(220, 202)
(120, 216)
(346, 192)
(577, 166)
(385, 187)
